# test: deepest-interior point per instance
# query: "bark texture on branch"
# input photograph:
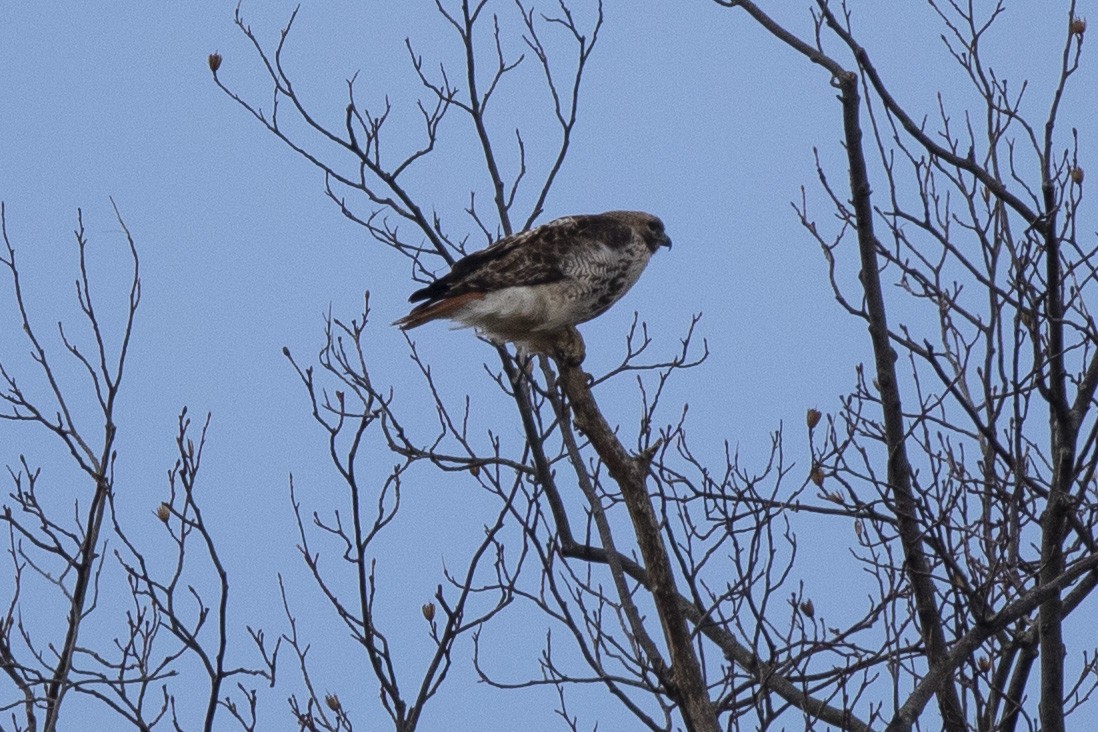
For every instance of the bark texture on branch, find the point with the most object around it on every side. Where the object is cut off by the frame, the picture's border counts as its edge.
(899, 467)
(686, 680)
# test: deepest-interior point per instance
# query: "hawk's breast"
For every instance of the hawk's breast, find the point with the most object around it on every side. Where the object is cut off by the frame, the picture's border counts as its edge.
(600, 275)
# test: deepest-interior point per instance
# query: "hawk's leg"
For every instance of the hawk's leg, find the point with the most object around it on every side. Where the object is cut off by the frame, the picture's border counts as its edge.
(566, 346)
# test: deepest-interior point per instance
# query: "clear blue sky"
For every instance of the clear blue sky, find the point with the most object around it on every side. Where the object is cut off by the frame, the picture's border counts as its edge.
(689, 112)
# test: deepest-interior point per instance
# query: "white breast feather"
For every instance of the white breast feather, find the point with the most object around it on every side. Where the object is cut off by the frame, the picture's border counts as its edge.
(510, 303)
(590, 262)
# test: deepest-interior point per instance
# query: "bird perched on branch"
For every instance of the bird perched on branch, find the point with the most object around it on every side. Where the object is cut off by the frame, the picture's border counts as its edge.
(529, 287)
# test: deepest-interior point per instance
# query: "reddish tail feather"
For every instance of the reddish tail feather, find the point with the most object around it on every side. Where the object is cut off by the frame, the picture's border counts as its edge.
(429, 311)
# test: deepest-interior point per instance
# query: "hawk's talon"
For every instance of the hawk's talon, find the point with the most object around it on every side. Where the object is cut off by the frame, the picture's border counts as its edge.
(567, 347)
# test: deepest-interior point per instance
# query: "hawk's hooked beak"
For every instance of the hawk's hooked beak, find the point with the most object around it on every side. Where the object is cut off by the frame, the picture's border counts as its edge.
(665, 241)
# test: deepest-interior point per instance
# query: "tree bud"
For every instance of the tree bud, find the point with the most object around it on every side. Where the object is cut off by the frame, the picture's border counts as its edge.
(1078, 26)
(214, 59)
(429, 611)
(1077, 176)
(333, 702)
(813, 418)
(163, 512)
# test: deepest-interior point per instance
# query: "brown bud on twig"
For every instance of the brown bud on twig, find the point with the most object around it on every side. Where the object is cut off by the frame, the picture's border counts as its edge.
(813, 418)
(214, 59)
(333, 702)
(808, 608)
(1078, 26)
(1077, 176)
(817, 476)
(429, 611)
(984, 664)
(474, 469)
(163, 512)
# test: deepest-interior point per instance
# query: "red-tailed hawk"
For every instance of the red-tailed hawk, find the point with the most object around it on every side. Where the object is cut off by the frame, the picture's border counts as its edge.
(527, 286)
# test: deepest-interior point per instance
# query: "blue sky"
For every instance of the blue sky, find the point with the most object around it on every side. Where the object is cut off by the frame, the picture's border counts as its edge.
(689, 112)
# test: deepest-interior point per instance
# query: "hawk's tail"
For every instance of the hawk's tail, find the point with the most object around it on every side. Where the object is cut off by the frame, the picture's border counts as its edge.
(429, 311)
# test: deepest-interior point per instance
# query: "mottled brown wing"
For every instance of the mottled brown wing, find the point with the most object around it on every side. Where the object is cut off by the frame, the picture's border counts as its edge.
(522, 259)
(533, 257)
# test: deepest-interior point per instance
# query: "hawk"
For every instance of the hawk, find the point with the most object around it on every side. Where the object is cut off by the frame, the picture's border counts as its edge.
(526, 287)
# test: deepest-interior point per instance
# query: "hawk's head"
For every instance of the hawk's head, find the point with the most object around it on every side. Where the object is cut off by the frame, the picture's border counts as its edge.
(649, 227)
